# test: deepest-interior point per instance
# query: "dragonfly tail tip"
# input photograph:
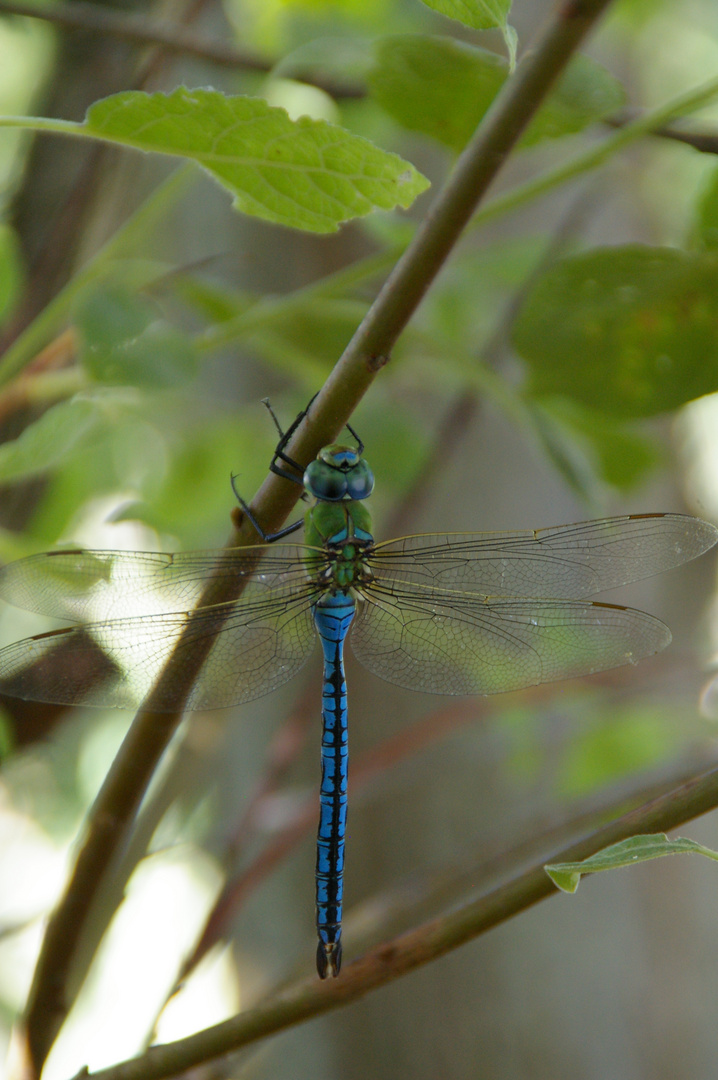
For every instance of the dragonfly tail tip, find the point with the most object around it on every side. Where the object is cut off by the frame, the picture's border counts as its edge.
(329, 958)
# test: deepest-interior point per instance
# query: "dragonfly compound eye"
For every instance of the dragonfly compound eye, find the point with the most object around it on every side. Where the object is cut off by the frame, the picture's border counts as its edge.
(360, 481)
(325, 482)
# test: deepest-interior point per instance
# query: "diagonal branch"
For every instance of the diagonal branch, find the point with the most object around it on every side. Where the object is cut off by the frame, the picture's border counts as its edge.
(118, 801)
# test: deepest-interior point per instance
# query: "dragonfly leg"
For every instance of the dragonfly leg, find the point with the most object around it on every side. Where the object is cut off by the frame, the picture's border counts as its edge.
(268, 406)
(284, 436)
(360, 444)
(268, 538)
(332, 617)
(296, 478)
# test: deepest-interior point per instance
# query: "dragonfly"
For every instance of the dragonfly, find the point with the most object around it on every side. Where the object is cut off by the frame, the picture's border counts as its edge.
(451, 613)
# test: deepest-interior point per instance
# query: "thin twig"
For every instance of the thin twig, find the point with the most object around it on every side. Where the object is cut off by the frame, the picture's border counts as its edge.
(704, 141)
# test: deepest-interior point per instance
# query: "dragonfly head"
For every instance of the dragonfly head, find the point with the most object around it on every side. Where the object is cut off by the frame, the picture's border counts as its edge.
(339, 472)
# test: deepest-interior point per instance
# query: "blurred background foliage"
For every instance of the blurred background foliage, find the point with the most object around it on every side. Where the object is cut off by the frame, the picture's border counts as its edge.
(547, 377)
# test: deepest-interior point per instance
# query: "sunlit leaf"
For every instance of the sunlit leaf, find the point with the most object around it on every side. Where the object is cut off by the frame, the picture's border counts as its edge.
(307, 174)
(193, 498)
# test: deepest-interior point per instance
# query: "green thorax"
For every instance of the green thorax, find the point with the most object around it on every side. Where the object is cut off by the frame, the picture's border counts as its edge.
(339, 522)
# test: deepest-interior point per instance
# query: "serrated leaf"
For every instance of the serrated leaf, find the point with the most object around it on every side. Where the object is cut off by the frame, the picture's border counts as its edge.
(46, 443)
(306, 174)
(636, 849)
(444, 88)
(629, 331)
(124, 341)
(480, 15)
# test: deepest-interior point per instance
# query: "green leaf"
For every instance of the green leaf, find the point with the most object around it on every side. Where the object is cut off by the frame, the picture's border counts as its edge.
(124, 341)
(50, 440)
(444, 88)
(629, 331)
(566, 876)
(307, 174)
(480, 15)
(438, 86)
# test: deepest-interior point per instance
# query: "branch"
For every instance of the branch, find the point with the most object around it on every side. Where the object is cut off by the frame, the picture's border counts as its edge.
(412, 950)
(704, 141)
(137, 29)
(140, 31)
(118, 801)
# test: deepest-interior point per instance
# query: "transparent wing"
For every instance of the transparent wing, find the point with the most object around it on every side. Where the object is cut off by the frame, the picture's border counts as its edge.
(96, 585)
(433, 641)
(260, 641)
(567, 561)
